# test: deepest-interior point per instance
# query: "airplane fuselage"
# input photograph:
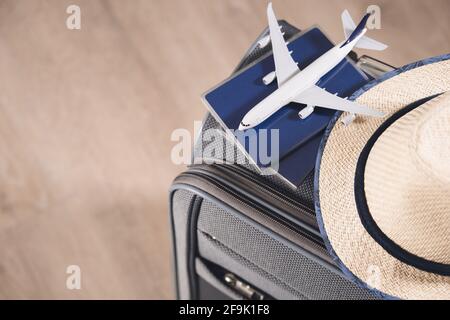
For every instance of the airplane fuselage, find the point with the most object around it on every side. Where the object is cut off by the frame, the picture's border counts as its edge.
(298, 83)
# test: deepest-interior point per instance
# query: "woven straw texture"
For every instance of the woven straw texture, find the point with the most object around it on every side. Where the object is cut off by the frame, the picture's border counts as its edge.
(407, 181)
(361, 254)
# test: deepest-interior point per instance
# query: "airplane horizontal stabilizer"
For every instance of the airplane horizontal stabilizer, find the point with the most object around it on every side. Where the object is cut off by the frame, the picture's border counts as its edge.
(370, 44)
(351, 30)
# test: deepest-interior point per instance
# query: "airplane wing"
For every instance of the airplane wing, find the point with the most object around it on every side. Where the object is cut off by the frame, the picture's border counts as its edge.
(285, 66)
(316, 96)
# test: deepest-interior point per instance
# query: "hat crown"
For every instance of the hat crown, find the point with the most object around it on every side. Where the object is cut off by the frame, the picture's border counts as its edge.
(406, 182)
(376, 201)
(432, 142)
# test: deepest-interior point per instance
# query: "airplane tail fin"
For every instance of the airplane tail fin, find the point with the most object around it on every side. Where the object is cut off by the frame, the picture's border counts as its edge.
(351, 31)
(347, 23)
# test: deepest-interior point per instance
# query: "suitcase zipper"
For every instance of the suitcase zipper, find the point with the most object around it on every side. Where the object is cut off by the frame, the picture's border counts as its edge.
(299, 215)
(303, 230)
(242, 288)
(262, 185)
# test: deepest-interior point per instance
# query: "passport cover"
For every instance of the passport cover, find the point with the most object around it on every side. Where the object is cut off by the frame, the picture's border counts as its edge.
(298, 139)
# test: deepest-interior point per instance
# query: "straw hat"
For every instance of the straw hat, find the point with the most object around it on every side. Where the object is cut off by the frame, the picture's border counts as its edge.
(383, 185)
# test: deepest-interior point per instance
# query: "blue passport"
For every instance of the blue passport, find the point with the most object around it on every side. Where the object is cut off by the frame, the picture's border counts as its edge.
(298, 139)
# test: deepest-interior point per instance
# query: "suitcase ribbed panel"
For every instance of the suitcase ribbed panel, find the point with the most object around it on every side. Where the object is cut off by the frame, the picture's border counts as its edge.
(181, 201)
(275, 261)
(216, 252)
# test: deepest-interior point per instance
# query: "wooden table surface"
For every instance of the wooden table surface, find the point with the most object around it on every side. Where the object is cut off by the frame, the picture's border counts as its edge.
(86, 117)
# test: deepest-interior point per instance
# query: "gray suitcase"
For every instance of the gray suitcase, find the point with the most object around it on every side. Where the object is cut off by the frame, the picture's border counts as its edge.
(240, 235)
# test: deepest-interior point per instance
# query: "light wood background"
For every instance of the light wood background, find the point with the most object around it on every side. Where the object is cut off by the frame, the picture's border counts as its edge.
(86, 118)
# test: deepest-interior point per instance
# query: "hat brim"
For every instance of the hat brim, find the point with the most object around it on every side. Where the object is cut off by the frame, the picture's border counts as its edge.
(359, 256)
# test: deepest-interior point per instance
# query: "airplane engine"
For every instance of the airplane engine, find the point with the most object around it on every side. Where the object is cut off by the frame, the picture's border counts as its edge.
(348, 119)
(268, 79)
(264, 41)
(306, 112)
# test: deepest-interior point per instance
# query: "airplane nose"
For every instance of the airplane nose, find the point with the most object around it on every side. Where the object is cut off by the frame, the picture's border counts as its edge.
(243, 126)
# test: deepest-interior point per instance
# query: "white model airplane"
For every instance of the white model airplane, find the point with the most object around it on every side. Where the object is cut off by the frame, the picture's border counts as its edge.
(295, 85)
